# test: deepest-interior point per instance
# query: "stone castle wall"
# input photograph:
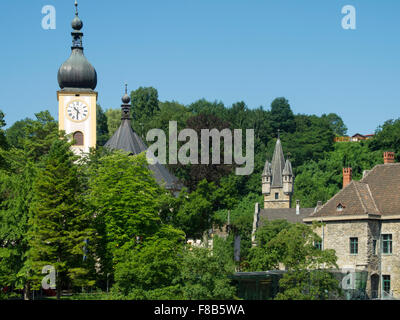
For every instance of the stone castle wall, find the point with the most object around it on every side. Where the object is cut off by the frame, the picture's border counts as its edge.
(283, 200)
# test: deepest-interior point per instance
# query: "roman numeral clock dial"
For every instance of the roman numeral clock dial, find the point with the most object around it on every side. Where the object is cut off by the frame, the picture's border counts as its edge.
(77, 111)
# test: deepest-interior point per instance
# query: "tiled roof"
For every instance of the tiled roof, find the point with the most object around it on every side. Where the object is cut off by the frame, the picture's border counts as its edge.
(288, 214)
(377, 193)
(126, 139)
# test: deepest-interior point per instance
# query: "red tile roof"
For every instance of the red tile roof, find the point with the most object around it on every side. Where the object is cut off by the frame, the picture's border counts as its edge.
(377, 193)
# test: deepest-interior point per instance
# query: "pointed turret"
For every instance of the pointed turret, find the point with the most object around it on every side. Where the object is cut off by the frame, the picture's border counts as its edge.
(266, 179)
(287, 176)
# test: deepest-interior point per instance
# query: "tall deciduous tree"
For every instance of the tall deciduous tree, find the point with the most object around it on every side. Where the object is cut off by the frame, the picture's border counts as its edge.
(101, 126)
(60, 223)
(282, 116)
(204, 274)
(123, 195)
(144, 107)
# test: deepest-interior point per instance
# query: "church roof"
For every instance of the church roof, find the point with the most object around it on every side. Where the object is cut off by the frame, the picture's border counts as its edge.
(375, 194)
(128, 140)
(288, 214)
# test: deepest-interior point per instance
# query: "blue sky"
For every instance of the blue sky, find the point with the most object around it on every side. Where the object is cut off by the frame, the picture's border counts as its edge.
(226, 50)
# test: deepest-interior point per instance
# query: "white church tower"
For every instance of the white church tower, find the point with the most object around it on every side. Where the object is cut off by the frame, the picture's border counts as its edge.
(77, 99)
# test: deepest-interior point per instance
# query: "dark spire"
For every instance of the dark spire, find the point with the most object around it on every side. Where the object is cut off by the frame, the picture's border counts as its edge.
(126, 139)
(77, 72)
(277, 165)
(126, 106)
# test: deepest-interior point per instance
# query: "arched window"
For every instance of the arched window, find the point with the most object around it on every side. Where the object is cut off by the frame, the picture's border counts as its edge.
(78, 138)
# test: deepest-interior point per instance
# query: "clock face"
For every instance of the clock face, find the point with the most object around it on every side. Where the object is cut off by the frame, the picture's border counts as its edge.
(77, 111)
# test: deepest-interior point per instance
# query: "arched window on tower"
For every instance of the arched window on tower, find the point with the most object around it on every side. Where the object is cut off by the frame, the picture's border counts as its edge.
(78, 138)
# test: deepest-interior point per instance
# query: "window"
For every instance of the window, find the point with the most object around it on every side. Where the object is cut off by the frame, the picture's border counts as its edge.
(78, 137)
(386, 283)
(373, 246)
(387, 243)
(276, 196)
(353, 245)
(318, 245)
(340, 207)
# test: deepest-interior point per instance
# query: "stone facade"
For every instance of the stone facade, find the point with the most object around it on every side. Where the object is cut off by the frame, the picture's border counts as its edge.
(283, 201)
(336, 235)
(368, 210)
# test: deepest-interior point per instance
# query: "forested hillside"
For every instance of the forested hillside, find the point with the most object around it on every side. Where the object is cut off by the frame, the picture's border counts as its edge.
(54, 208)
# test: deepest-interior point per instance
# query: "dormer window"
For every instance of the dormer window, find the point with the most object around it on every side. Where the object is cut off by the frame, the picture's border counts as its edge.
(340, 207)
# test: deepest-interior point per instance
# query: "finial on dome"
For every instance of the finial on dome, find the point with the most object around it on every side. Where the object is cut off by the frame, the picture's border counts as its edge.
(77, 23)
(126, 98)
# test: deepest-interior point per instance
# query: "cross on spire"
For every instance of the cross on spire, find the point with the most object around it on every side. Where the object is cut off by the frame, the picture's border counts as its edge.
(76, 7)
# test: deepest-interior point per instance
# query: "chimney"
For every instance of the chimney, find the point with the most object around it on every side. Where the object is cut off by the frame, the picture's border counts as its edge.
(388, 157)
(346, 176)
(297, 207)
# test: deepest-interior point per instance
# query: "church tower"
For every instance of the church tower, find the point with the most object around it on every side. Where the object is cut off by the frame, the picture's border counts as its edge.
(277, 180)
(77, 99)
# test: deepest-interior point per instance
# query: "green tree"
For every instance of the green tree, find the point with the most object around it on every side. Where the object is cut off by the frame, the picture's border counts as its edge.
(3, 140)
(260, 257)
(146, 270)
(205, 107)
(15, 199)
(17, 133)
(123, 196)
(313, 134)
(204, 274)
(40, 135)
(113, 120)
(337, 125)
(307, 276)
(60, 223)
(387, 138)
(282, 116)
(144, 106)
(101, 126)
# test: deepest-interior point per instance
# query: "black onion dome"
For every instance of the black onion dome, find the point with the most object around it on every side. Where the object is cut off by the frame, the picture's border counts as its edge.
(77, 72)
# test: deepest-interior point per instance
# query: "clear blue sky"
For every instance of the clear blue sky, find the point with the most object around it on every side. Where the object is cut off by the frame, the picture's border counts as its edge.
(226, 50)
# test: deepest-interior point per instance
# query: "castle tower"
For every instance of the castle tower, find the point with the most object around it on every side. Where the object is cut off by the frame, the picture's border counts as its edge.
(277, 180)
(77, 99)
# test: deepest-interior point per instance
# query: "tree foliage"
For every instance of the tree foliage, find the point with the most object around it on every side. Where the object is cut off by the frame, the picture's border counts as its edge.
(60, 225)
